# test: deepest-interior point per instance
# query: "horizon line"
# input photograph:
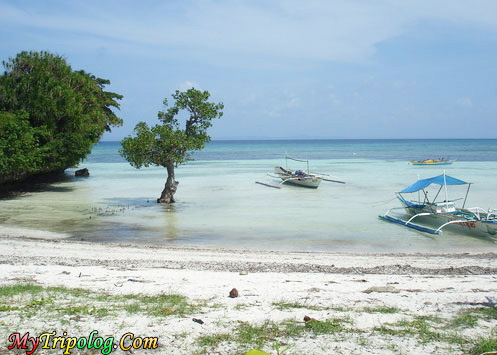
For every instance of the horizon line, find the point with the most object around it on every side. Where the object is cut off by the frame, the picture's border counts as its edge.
(323, 139)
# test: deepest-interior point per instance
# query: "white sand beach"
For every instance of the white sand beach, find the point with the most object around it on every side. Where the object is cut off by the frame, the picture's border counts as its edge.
(366, 294)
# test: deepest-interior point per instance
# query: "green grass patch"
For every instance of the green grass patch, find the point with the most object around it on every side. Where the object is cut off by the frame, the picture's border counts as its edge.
(484, 345)
(20, 289)
(160, 305)
(488, 313)
(32, 299)
(329, 326)
(465, 319)
(425, 328)
(213, 339)
(469, 318)
(84, 310)
(282, 305)
(5, 308)
(256, 335)
(381, 309)
(240, 307)
(259, 335)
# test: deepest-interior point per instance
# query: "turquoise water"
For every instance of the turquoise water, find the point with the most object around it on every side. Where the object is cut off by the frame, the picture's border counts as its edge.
(219, 204)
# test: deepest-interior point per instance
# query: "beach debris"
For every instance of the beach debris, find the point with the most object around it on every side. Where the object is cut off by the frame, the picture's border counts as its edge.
(384, 289)
(197, 320)
(118, 284)
(244, 272)
(135, 280)
(314, 289)
(413, 290)
(65, 272)
(82, 172)
(166, 311)
(309, 319)
(233, 293)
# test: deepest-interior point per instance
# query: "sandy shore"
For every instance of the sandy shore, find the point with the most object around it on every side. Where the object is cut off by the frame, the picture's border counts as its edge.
(381, 303)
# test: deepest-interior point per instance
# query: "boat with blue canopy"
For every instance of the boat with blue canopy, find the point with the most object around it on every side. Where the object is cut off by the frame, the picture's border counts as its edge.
(424, 212)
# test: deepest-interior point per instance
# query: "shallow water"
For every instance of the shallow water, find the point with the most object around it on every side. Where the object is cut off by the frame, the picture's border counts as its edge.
(219, 204)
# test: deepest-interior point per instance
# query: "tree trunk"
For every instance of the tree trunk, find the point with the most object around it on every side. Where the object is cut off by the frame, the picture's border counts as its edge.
(167, 195)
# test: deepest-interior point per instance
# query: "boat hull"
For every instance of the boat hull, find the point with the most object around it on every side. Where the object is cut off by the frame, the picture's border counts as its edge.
(310, 183)
(487, 228)
(432, 162)
(289, 177)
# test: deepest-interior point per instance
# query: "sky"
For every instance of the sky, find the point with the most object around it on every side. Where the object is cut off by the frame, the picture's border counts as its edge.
(284, 68)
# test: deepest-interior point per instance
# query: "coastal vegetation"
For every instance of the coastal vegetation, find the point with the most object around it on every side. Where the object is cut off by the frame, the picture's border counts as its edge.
(74, 306)
(50, 115)
(169, 145)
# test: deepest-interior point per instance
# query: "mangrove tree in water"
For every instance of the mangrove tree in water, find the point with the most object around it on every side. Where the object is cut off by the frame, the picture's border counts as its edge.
(169, 145)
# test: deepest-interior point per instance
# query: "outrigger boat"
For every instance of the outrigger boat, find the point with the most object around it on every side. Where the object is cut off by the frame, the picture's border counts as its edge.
(441, 161)
(473, 220)
(298, 177)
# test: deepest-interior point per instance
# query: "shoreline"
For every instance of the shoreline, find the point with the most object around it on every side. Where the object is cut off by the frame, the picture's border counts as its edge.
(367, 296)
(203, 258)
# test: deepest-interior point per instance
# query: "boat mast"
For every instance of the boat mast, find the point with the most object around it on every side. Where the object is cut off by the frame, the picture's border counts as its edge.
(446, 194)
(440, 189)
(419, 197)
(465, 197)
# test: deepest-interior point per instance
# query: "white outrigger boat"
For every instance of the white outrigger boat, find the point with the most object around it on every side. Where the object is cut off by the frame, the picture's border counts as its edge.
(298, 177)
(474, 220)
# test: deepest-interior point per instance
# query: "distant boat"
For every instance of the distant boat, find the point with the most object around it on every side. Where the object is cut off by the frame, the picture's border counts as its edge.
(444, 212)
(441, 161)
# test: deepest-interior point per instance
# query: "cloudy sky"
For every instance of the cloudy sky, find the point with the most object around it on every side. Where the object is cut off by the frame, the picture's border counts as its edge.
(284, 69)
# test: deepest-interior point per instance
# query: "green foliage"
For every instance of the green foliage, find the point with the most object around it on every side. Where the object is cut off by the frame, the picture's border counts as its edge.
(257, 335)
(381, 309)
(213, 339)
(464, 320)
(485, 346)
(329, 326)
(168, 144)
(50, 115)
(31, 299)
(18, 144)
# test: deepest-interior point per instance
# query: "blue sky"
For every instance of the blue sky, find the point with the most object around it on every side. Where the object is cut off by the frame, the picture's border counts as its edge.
(284, 69)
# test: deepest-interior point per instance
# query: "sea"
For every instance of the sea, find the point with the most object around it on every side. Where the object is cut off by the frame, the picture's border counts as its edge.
(219, 203)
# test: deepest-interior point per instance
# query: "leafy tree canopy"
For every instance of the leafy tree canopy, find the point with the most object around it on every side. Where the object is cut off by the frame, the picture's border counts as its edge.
(169, 144)
(50, 115)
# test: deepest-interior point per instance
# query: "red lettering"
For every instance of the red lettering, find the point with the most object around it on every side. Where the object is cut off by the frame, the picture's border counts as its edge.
(17, 341)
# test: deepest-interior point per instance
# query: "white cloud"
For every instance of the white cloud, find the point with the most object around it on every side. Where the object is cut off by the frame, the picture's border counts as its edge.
(281, 106)
(322, 30)
(465, 102)
(188, 85)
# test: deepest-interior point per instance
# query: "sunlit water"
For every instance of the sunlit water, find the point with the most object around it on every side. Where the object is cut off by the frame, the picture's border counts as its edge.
(219, 204)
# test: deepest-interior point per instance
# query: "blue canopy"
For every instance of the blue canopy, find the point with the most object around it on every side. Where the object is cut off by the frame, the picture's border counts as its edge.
(439, 180)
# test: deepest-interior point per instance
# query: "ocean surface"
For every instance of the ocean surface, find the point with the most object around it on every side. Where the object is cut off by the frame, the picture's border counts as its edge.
(219, 204)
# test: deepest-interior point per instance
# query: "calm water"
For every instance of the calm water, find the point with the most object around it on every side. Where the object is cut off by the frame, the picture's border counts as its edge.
(219, 204)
